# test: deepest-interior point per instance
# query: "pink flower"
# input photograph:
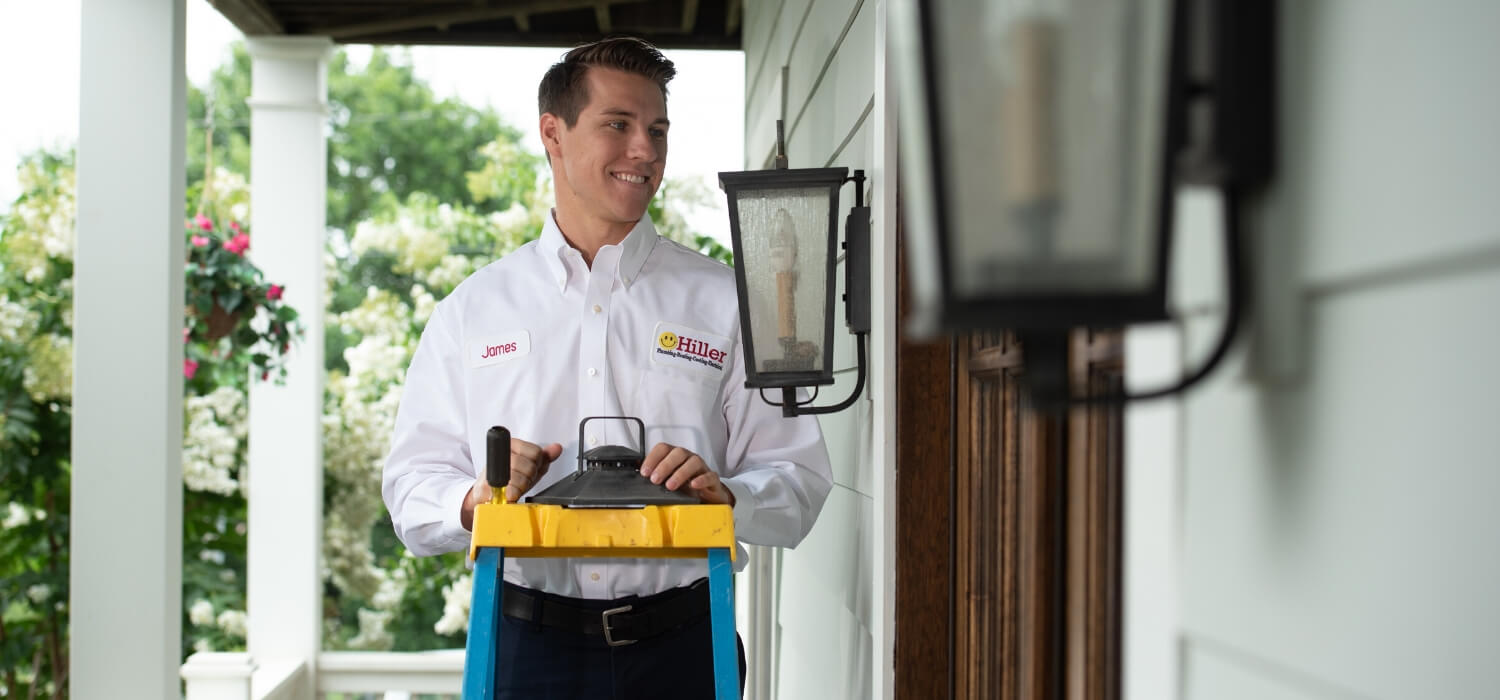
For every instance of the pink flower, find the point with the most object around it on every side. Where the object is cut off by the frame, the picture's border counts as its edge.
(184, 335)
(238, 245)
(274, 293)
(189, 368)
(204, 222)
(235, 227)
(199, 241)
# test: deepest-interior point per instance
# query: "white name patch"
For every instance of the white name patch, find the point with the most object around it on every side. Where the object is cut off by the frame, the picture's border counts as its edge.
(497, 349)
(673, 345)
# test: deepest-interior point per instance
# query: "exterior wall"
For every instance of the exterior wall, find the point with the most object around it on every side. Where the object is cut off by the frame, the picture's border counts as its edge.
(1331, 533)
(832, 611)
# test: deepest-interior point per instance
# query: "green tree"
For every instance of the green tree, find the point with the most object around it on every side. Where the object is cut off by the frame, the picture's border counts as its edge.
(390, 135)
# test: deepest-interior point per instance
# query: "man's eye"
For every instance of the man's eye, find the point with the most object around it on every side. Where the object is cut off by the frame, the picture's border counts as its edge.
(658, 133)
(617, 125)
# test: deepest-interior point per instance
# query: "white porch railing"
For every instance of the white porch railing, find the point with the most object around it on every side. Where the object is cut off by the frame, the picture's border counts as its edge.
(392, 675)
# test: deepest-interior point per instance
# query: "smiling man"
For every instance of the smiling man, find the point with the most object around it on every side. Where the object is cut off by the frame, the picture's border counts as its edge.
(599, 317)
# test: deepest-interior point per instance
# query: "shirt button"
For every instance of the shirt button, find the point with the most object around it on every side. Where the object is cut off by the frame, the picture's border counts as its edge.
(593, 577)
(593, 372)
(598, 308)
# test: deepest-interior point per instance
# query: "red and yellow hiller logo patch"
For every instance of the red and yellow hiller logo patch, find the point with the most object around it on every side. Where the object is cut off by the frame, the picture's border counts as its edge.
(686, 347)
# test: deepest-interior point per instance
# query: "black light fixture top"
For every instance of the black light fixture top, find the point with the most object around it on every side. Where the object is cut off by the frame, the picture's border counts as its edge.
(609, 476)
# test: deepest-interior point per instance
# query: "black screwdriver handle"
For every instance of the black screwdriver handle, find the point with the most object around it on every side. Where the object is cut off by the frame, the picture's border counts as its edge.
(497, 457)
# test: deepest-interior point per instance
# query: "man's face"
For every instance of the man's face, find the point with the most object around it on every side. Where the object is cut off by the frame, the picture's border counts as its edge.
(609, 164)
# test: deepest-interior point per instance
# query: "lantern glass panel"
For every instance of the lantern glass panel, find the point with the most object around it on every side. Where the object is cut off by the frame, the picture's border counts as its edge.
(1050, 115)
(785, 234)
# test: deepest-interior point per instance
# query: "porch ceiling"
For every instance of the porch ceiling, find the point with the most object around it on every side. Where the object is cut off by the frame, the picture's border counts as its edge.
(492, 23)
(684, 24)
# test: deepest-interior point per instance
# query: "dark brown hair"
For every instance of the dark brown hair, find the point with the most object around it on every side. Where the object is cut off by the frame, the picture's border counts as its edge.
(563, 91)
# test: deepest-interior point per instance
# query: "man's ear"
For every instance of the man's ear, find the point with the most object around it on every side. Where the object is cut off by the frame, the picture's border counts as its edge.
(551, 127)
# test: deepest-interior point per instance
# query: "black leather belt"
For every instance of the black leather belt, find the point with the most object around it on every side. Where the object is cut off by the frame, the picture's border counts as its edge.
(627, 621)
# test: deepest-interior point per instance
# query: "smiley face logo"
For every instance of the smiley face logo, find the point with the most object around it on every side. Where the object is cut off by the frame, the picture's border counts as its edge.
(667, 340)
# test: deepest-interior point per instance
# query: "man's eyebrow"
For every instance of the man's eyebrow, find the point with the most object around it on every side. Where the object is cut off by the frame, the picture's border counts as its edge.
(632, 115)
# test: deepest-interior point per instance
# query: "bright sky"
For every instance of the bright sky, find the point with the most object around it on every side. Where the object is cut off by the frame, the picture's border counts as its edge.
(39, 58)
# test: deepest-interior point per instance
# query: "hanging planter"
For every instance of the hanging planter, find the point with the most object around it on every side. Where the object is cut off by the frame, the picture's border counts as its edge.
(234, 317)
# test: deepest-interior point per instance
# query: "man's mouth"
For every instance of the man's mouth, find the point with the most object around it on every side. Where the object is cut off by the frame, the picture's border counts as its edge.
(630, 178)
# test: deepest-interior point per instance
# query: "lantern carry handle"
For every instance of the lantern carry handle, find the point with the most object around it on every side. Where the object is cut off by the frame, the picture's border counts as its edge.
(640, 426)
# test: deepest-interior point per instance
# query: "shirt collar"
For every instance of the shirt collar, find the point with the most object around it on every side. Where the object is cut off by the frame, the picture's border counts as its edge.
(633, 250)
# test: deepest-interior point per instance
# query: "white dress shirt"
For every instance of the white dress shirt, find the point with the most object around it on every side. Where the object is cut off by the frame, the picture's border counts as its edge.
(537, 341)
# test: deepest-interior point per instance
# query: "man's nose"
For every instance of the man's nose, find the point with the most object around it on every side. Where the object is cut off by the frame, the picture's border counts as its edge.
(643, 147)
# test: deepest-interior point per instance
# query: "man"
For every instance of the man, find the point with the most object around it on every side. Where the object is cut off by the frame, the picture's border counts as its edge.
(565, 328)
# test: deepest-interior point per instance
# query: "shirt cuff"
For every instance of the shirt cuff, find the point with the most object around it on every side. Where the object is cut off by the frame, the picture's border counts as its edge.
(453, 526)
(744, 501)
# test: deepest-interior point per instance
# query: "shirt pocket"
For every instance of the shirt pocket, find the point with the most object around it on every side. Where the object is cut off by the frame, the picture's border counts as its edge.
(676, 399)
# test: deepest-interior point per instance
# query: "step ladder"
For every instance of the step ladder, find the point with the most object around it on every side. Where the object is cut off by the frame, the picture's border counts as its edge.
(532, 530)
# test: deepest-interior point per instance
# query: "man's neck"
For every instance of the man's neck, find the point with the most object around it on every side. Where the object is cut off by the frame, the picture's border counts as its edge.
(588, 236)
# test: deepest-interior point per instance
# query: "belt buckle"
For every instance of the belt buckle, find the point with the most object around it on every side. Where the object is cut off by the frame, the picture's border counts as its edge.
(609, 637)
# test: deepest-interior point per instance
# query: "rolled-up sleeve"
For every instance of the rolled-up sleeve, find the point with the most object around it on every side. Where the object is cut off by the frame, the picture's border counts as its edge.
(429, 468)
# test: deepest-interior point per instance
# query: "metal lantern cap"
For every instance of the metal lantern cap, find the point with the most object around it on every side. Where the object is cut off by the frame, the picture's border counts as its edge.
(609, 476)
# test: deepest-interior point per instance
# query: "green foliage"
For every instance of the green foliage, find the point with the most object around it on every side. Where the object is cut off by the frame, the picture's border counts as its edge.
(36, 269)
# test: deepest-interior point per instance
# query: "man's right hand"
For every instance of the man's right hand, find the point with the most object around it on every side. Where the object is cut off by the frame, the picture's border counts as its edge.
(528, 464)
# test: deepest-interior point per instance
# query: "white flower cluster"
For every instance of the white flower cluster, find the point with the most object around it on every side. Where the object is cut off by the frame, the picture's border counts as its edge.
(17, 515)
(410, 235)
(233, 622)
(358, 418)
(17, 322)
(201, 613)
(456, 598)
(46, 223)
(231, 195)
(372, 633)
(49, 368)
(448, 272)
(213, 442)
(423, 304)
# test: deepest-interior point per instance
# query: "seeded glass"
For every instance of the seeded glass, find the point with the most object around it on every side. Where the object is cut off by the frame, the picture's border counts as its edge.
(784, 237)
(1051, 112)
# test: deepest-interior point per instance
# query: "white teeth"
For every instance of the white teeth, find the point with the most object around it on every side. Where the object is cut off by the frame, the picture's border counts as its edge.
(637, 179)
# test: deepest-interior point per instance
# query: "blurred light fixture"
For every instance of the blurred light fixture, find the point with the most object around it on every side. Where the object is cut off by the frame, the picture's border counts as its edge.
(784, 226)
(1042, 141)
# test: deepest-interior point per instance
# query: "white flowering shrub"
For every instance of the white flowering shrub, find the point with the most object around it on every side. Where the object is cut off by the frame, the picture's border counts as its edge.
(36, 386)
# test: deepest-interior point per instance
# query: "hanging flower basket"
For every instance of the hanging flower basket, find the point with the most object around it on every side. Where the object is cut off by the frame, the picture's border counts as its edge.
(235, 319)
(219, 323)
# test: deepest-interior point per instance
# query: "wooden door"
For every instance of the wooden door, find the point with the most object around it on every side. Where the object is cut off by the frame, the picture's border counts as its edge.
(1008, 525)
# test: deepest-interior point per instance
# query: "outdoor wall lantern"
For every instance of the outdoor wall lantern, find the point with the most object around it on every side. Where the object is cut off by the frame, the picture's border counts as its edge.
(1042, 142)
(784, 225)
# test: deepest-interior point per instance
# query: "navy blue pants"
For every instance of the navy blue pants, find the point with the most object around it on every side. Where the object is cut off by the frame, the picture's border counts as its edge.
(533, 662)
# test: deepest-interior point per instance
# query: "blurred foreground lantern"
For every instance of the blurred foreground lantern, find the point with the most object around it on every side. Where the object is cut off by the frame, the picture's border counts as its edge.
(784, 225)
(1041, 146)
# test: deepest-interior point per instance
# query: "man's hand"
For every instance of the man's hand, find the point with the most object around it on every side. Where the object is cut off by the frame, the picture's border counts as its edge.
(677, 467)
(528, 464)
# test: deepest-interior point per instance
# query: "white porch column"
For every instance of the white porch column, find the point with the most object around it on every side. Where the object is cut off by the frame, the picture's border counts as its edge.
(126, 532)
(288, 187)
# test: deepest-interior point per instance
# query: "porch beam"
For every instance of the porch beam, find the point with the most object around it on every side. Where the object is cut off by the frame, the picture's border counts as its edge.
(455, 17)
(252, 17)
(288, 198)
(126, 531)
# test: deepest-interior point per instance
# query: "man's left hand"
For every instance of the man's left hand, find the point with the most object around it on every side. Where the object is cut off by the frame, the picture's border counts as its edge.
(677, 467)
